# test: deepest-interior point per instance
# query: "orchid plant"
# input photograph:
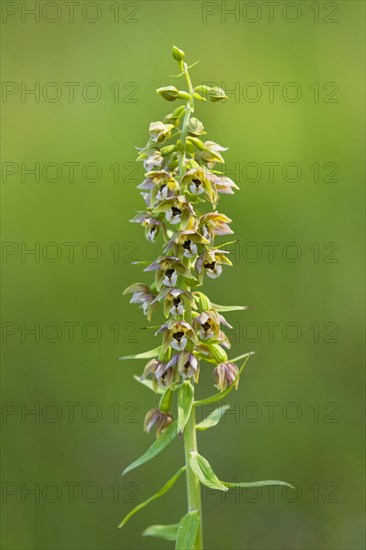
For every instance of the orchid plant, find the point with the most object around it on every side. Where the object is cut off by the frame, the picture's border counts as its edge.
(181, 192)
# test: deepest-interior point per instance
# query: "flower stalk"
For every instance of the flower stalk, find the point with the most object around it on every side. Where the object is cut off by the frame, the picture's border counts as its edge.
(181, 190)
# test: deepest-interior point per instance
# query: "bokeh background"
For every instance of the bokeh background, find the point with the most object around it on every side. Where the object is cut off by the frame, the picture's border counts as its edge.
(299, 413)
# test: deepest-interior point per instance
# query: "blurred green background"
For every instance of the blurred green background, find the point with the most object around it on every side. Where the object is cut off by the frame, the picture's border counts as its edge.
(298, 414)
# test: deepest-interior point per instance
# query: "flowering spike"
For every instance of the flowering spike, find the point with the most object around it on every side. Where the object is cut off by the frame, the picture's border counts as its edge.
(181, 192)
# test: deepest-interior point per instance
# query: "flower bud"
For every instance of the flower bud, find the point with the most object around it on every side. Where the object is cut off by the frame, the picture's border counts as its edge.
(213, 93)
(168, 92)
(178, 54)
(195, 127)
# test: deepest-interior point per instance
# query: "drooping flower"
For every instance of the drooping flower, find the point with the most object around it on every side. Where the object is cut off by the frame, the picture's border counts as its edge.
(151, 224)
(210, 154)
(157, 418)
(141, 294)
(225, 375)
(213, 224)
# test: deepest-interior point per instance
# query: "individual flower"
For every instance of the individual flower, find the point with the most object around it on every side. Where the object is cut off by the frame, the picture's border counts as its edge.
(186, 242)
(141, 294)
(210, 262)
(176, 334)
(177, 210)
(207, 324)
(176, 301)
(160, 184)
(154, 159)
(225, 375)
(151, 224)
(212, 224)
(199, 180)
(223, 184)
(210, 154)
(187, 364)
(157, 418)
(162, 374)
(167, 270)
(159, 131)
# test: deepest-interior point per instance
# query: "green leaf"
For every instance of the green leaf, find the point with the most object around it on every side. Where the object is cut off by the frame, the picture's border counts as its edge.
(148, 384)
(231, 308)
(223, 394)
(213, 418)
(166, 532)
(202, 468)
(258, 483)
(159, 445)
(160, 493)
(185, 401)
(187, 531)
(150, 354)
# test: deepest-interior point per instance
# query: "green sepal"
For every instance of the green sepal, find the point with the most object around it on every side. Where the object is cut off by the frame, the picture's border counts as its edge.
(187, 531)
(213, 418)
(160, 493)
(149, 384)
(202, 468)
(249, 484)
(223, 394)
(165, 532)
(159, 445)
(150, 354)
(231, 308)
(185, 402)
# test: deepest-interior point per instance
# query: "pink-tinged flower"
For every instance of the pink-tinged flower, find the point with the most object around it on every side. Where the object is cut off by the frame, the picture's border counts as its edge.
(187, 364)
(151, 225)
(225, 375)
(176, 334)
(213, 224)
(157, 418)
(209, 262)
(141, 294)
(177, 210)
(223, 184)
(167, 270)
(207, 325)
(162, 374)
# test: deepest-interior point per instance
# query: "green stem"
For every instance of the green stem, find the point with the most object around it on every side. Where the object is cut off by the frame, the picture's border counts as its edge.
(187, 116)
(193, 484)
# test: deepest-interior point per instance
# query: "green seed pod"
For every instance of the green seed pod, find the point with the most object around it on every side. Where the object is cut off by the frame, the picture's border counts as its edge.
(218, 353)
(203, 302)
